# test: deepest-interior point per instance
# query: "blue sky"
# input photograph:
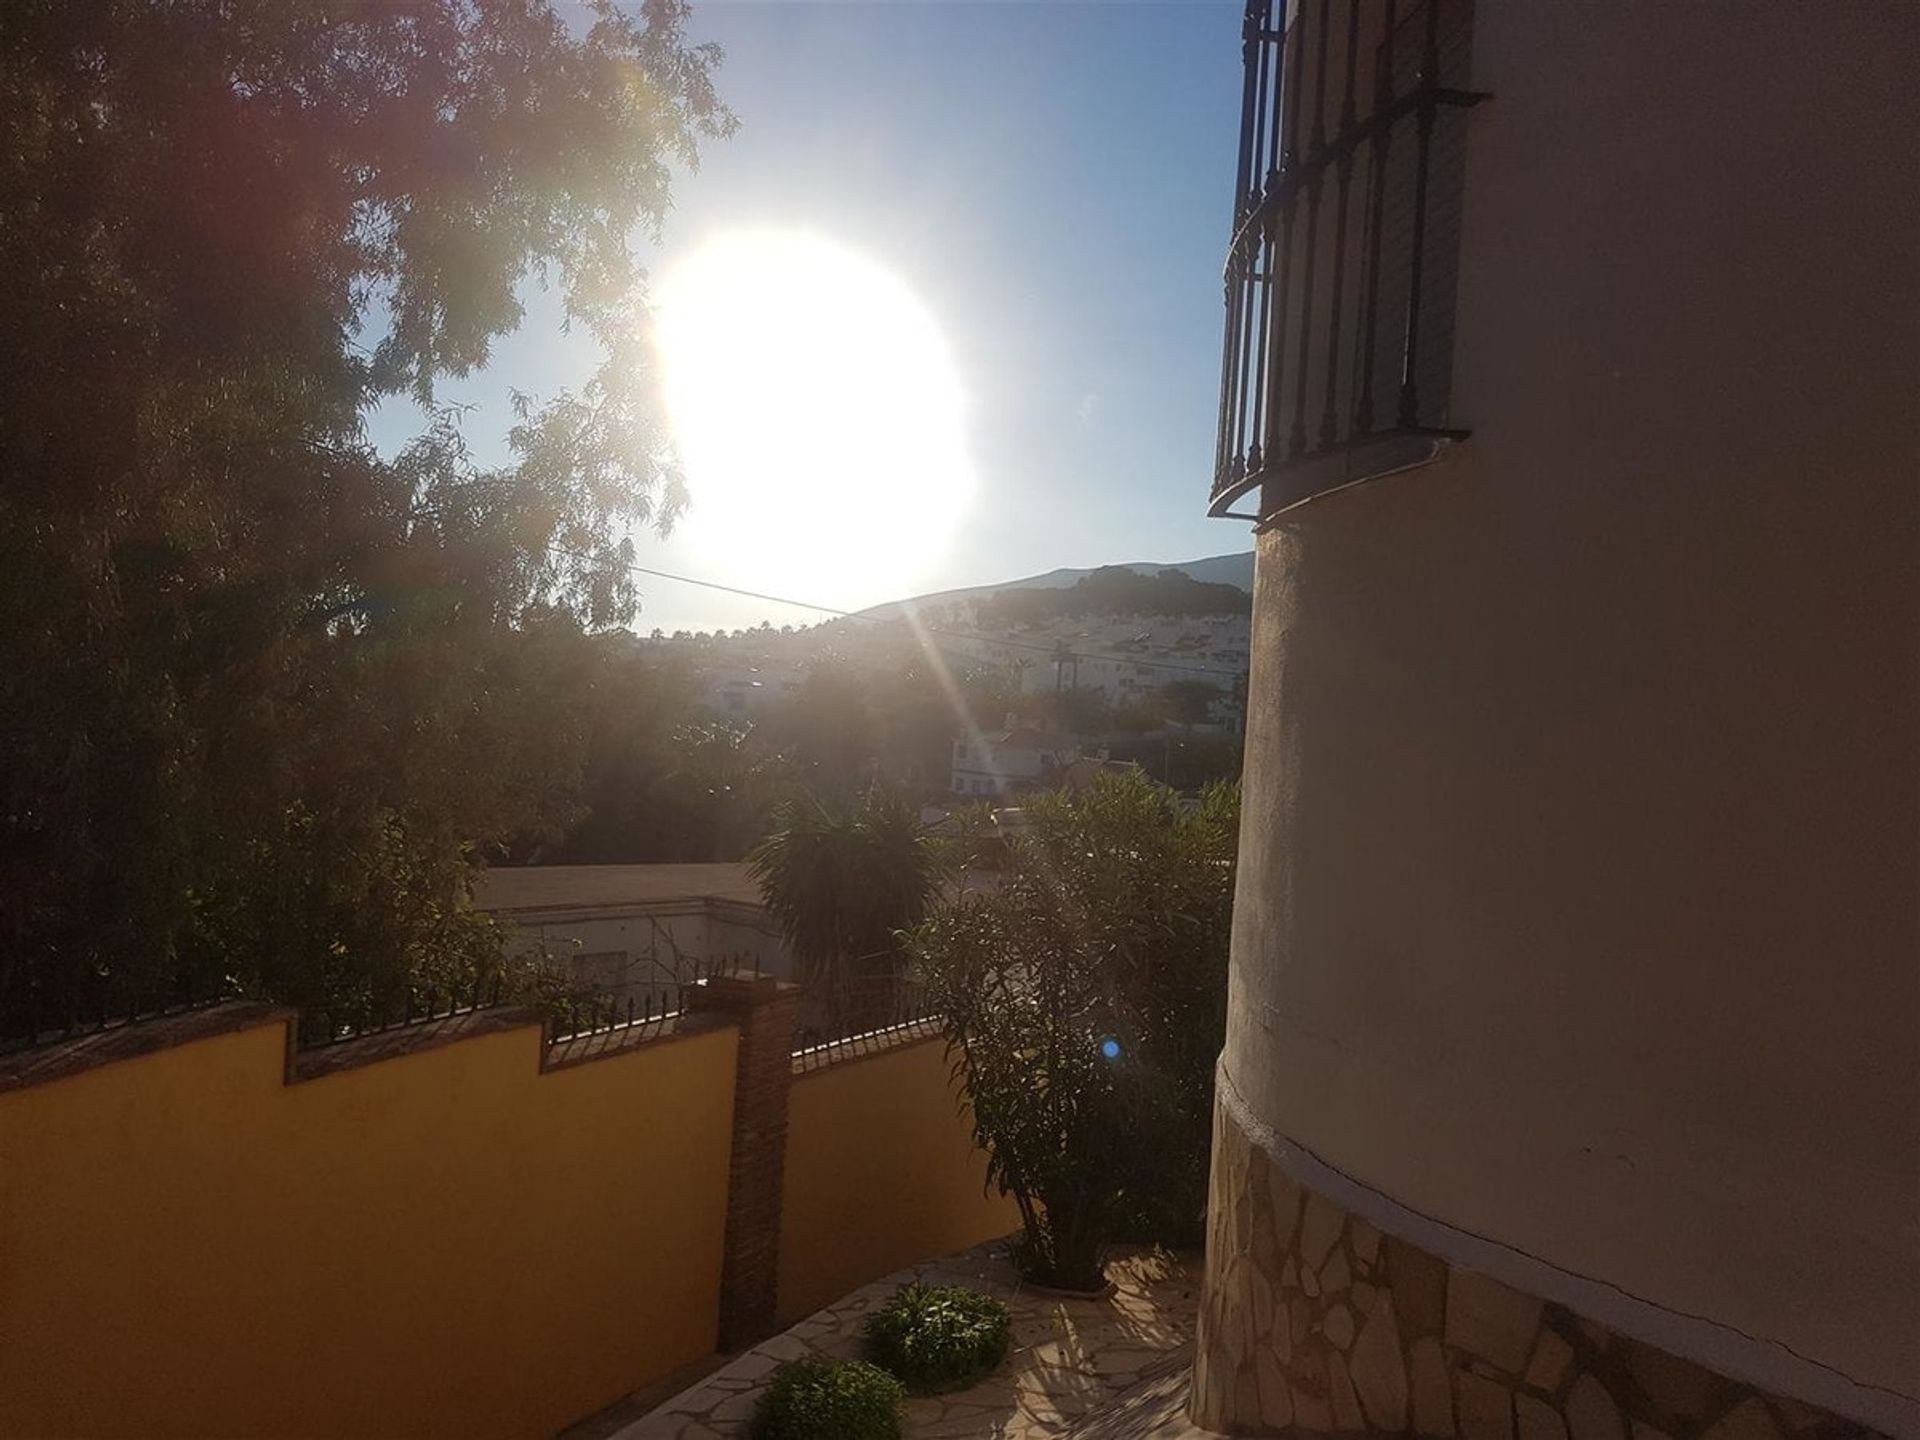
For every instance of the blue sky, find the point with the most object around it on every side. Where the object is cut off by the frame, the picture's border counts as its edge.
(1052, 182)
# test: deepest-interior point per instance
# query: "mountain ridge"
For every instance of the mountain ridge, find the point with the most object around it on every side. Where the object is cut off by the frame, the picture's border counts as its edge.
(1234, 568)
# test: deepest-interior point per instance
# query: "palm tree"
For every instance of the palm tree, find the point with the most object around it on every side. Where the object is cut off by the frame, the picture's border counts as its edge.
(841, 886)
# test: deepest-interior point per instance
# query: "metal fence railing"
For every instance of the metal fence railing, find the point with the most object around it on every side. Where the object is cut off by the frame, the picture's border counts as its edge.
(835, 1020)
(872, 1016)
(642, 1010)
(32, 1025)
(638, 1010)
(1341, 268)
(321, 1028)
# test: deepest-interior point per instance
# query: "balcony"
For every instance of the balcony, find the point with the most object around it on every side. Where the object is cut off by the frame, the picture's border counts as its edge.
(1336, 365)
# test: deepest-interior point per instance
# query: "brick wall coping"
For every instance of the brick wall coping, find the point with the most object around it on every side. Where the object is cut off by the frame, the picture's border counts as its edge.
(816, 1059)
(130, 1039)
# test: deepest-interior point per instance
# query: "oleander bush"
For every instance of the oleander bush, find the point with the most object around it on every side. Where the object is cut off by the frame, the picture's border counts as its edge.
(937, 1338)
(1085, 997)
(829, 1400)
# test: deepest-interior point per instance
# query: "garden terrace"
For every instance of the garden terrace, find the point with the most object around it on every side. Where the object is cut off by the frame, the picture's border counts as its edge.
(1074, 1362)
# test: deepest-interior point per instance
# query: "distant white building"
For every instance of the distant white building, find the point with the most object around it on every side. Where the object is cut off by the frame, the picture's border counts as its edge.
(632, 930)
(1124, 658)
(747, 690)
(1019, 758)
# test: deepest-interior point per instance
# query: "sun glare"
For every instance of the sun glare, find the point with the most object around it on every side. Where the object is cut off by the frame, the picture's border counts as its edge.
(818, 415)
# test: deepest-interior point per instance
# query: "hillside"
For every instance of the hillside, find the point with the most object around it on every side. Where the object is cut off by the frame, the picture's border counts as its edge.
(1111, 590)
(1234, 569)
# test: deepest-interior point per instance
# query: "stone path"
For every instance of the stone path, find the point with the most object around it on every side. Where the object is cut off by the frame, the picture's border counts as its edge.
(1071, 1360)
(1154, 1409)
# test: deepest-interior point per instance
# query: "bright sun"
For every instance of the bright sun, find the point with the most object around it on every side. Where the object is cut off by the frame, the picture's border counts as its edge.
(818, 415)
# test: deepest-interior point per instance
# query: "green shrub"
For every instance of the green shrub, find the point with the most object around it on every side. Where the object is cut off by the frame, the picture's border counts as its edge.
(1086, 999)
(939, 1338)
(829, 1400)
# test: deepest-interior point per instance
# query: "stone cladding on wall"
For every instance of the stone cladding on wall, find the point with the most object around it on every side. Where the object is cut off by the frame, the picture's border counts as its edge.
(1312, 1320)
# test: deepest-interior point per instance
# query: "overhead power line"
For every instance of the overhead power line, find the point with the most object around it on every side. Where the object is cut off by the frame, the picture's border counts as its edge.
(833, 610)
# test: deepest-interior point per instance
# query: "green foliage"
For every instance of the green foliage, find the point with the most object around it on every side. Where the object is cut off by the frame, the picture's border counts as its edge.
(939, 1338)
(969, 841)
(828, 727)
(1190, 701)
(843, 729)
(1080, 711)
(663, 781)
(1111, 924)
(1188, 763)
(842, 885)
(266, 693)
(829, 1400)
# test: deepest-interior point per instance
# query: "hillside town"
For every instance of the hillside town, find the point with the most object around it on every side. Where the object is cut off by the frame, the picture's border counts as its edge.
(1060, 688)
(568, 872)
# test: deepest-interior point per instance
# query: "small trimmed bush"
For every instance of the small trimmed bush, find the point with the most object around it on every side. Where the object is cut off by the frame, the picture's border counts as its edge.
(938, 1338)
(829, 1400)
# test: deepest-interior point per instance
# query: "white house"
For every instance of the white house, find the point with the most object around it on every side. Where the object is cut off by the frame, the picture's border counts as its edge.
(633, 930)
(747, 690)
(1016, 759)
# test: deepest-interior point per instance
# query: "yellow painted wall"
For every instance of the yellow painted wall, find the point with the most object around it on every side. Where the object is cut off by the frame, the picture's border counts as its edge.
(882, 1172)
(446, 1243)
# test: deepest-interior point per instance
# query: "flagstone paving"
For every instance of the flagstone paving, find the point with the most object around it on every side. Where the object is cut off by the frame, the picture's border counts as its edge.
(1071, 1360)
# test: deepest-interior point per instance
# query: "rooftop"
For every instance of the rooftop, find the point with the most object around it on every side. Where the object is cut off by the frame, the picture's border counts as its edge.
(562, 887)
(1025, 737)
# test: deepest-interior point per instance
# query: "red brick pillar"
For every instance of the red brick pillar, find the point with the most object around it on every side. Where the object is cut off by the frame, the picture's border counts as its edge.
(763, 1009)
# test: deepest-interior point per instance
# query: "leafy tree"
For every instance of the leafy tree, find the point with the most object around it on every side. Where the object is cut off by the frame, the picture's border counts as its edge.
(1190, 701)
(1149, 711)
(1086, 997)
(1009, 609)
(827, 726)
(843, 885)
(264, 693)
(1080, 711)
(916, 720)
(969, 841)
(728, 784)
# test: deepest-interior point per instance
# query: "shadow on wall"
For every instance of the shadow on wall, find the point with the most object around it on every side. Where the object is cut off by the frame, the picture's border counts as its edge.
(445, 1230)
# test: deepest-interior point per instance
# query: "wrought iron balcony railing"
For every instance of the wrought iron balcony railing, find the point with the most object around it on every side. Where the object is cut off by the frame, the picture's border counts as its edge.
(1337, 361)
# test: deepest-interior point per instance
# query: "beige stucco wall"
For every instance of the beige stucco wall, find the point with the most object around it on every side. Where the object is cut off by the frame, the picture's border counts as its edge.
(1580, 889)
